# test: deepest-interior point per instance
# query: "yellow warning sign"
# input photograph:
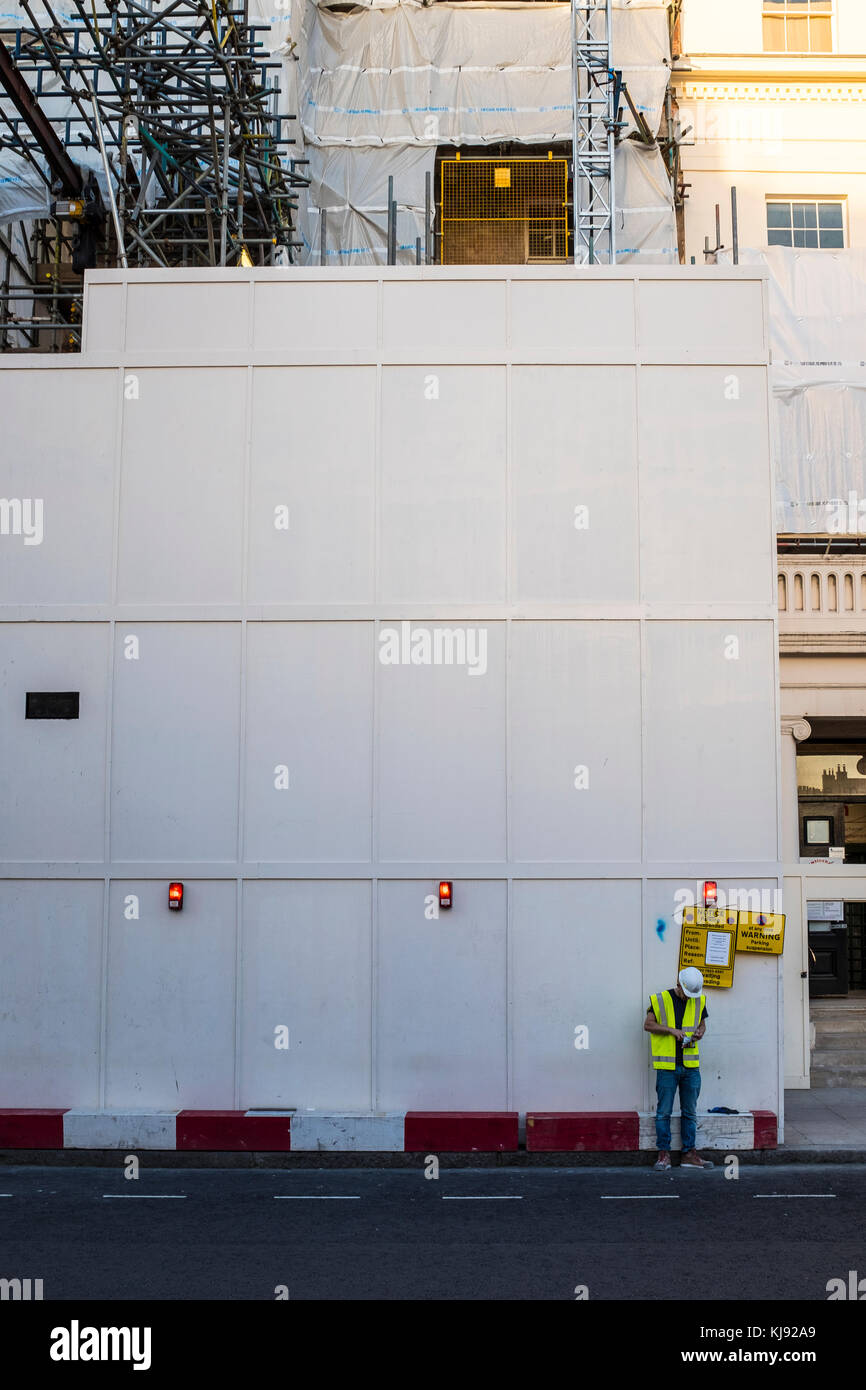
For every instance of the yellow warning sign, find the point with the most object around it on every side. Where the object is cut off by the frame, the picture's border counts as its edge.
(711, 916)
(761, 932)
(708, 940)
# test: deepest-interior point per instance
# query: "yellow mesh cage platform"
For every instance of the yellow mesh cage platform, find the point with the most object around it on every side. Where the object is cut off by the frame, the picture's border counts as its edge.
(504, 211)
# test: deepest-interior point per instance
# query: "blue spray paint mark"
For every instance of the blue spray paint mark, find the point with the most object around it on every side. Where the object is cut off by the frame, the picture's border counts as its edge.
(661, 928)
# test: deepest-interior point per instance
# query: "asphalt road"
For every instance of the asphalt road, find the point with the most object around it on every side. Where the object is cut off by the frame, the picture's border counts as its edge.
(771, 1234)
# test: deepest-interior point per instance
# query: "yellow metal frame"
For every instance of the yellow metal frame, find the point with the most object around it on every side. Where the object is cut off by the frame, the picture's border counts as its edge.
(504, 211)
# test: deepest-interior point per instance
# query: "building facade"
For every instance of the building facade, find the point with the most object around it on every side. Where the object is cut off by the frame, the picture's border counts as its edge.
(772, 101)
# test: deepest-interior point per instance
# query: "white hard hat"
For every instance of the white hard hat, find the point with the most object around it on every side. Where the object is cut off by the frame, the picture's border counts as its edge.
(692, 981)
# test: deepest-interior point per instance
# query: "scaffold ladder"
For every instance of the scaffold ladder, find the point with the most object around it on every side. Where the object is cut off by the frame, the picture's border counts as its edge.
(594, 93)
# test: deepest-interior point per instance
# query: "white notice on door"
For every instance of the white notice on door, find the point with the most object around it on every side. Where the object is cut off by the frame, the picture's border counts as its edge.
(718, 948)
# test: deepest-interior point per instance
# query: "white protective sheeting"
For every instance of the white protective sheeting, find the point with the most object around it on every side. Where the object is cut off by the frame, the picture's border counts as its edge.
(408, 73)
(23, 193)
(645, 224)
(818, 374)
(382, 87)
(352, 185)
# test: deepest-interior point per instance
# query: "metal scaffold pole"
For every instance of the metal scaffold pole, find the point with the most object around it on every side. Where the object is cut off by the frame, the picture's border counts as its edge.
(594, 94)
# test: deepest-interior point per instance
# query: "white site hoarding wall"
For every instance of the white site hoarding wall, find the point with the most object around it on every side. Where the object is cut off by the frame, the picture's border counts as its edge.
(259, 494)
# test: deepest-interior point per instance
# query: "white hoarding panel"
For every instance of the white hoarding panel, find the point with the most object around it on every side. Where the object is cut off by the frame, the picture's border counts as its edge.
(575, 498)
(463, 317)
(53, 801)
(702, 320)
(331, 316)
(199, 319)
(50, 967)
(573, 317)
(175, 739)
(441, 992)
(312, 499)
(576, 985)
(443, 484)
(441, 741)
(705, 491)
(305, 1009)
(309, 741)
(575, 741)
(171, 991)
(181, 498)
(56, 485)
(712, 736)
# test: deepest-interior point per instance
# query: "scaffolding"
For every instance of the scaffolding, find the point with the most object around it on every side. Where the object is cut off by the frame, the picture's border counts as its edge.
(595, 91)
(155, 132)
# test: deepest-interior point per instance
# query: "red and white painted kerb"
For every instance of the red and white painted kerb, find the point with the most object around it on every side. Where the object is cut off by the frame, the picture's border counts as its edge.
(398, 1131)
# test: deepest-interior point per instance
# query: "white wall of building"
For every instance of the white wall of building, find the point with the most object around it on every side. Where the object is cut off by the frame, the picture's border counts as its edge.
(735, 26)
(432, 434)
(784, 126)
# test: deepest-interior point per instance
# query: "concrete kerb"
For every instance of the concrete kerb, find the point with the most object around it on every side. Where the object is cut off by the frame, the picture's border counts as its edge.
(180, 1159)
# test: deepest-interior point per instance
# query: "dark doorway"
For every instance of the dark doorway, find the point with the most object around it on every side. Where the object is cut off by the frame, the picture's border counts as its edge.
(855, 921)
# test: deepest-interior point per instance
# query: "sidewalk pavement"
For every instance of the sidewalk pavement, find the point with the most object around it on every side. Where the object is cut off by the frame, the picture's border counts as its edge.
(831, 1117)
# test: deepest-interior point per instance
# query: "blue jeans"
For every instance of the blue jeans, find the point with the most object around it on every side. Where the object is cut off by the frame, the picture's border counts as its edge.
(689, 1081)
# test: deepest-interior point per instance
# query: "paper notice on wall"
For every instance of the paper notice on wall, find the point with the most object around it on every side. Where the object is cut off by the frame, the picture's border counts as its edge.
(718, 949)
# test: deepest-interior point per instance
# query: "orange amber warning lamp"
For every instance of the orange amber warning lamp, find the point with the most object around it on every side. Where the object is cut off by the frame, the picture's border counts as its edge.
(175, 896)
(710, 893)
(445, 894)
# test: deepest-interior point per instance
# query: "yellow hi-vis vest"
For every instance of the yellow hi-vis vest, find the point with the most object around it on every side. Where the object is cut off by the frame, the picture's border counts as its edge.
(664, 1045)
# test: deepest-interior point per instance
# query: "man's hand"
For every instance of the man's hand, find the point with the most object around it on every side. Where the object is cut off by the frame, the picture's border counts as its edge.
(677, 1033)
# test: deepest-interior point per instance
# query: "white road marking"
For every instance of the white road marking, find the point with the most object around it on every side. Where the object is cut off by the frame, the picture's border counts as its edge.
(145, 1196)
(482, 1199)
(315, 1198)
(787, 1195)
(647, 1197)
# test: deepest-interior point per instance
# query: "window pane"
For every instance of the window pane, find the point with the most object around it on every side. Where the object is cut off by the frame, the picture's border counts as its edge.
(832, 241)
(779, 215)
(798, 36)
(774, 35)
(774, 4)
(804, 236)
(805, 215)
(822, 35)
(825, 5)
(779, 237)
(829, 214)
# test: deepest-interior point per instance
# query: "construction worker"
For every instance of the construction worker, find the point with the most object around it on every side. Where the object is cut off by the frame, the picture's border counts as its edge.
(676, 1020)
